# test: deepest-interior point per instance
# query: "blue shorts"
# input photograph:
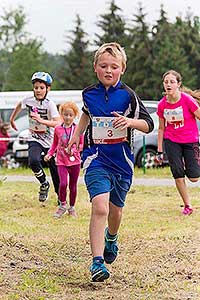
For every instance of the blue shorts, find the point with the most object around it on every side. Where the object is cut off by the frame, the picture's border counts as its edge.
(99, 181)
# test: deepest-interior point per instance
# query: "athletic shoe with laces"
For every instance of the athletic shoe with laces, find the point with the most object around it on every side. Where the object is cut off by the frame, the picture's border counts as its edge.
(111, 248)
(98, 271)
(43, 193)
(187, 210)
(60, 212)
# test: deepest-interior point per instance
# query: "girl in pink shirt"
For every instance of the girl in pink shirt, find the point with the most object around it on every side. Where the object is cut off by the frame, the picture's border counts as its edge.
(68, 165)
(178, 131)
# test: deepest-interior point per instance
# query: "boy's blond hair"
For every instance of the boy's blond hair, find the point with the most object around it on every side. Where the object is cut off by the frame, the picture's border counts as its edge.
(67, 105)
(114, 49)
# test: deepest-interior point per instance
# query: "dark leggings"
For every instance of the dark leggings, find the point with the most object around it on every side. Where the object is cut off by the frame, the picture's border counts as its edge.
(71, 173)
(36, 153)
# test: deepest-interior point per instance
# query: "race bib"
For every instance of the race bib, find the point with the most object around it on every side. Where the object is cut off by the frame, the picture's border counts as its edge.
(36, 126)
(104, 133)
(174, 116)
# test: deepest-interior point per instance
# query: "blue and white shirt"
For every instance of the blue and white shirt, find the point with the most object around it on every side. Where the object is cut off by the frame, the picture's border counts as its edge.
(47, 110)
(114, 151)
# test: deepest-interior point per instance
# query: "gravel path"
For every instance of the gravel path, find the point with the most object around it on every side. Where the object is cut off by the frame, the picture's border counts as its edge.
(137, 181)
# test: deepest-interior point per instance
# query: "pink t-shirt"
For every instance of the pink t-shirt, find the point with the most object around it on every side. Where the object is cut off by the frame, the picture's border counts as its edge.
(3, 144)
(62, 136)
(180, 121)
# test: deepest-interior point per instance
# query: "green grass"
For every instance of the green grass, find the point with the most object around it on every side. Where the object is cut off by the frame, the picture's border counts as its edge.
(43, 258)
(139, 172)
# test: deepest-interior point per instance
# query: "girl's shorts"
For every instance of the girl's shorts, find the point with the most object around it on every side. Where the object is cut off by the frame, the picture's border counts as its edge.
(100, 181)
(184, 159)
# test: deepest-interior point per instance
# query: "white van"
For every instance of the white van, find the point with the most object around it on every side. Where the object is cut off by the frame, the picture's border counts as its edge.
(8, 101)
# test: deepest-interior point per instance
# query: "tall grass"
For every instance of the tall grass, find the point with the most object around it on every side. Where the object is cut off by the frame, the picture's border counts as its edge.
(44, 258)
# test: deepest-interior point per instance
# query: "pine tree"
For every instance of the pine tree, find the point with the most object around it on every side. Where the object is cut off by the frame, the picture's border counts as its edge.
(189, 38)
(139, 55)
(77, 69)
(167, 54)
(112, 26)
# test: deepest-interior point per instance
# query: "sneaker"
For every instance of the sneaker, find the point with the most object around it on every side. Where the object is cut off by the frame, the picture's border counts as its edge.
(72, 212)
(187, 210)
(60, 212)
(98, 271)
(111, 248)
(43, 193)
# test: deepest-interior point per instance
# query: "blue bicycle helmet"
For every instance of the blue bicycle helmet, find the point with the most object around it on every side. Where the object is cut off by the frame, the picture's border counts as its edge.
(42, 76)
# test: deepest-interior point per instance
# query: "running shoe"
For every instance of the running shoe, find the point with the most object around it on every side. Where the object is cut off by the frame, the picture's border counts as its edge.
(98, 271)
(44, 190)
(60, 212)
(111, 248)
(187, 210)
(72, 212)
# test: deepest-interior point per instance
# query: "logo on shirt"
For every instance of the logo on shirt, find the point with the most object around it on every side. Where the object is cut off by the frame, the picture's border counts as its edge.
(174, 116)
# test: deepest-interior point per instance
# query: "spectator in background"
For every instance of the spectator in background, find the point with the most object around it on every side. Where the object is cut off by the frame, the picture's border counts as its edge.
(4, 135)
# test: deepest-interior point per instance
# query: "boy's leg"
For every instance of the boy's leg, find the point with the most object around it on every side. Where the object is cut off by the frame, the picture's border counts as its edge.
(114, 221)
(35, 151)
(114, 218)
(54, 174)
(100, 208)
(118, 194)
(35, 161)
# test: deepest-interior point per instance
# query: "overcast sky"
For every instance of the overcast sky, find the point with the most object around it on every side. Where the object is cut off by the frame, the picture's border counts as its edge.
(52, 19)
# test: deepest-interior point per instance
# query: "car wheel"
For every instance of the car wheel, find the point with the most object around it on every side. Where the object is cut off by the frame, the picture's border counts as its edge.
(8, 160)
(148, 160)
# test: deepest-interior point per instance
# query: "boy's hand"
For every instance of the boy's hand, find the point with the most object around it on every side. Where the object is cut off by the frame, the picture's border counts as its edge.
(12, 124)
(121, 121)
(75, 140)
(35, 116)
(47, 157)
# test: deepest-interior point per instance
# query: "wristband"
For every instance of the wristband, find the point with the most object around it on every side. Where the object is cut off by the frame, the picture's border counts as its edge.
(159, 152)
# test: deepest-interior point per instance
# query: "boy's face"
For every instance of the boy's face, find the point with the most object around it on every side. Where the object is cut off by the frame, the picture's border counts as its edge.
(109, 69)
(40, 89)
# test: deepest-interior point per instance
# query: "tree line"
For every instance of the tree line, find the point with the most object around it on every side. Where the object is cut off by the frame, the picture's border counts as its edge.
(151, 50)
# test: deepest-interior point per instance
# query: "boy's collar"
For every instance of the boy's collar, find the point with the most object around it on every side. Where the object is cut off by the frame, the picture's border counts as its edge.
(111, 87)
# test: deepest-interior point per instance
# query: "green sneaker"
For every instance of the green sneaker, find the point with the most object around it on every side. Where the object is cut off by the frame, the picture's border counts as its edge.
(111, 248)
(98, 271)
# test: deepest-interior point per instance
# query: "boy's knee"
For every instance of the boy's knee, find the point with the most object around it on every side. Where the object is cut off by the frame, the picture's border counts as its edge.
(34, 164)
(100, 210)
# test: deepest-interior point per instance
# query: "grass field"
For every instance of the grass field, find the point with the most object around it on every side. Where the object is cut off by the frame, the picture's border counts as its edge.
(43, 258)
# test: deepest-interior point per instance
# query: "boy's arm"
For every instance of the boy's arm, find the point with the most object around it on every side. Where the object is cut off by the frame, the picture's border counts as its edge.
(50, 123)
(123, 122)
(83, 122)
(15, 112)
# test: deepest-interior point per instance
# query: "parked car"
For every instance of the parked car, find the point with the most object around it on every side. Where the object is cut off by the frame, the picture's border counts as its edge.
(8, 102)
(145, 146)
(143, 143)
